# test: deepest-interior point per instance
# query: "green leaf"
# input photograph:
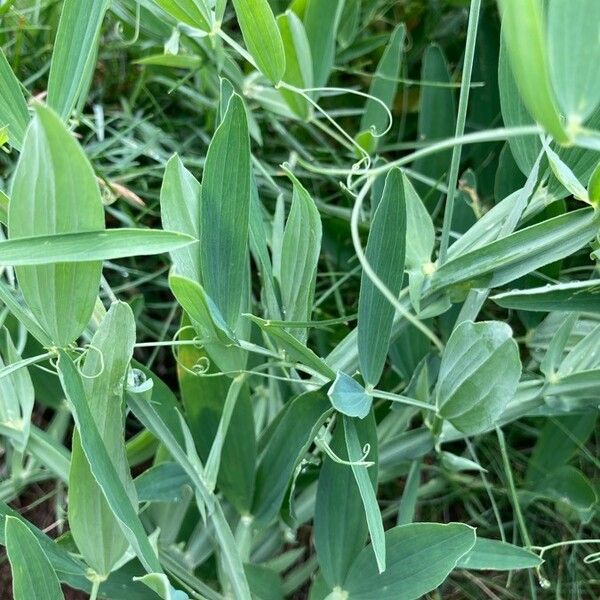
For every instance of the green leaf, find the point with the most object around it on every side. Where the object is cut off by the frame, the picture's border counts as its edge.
(367, 493)
(385, 252)
(573, 296)
(203, 399)
(262, 37)
(224, 212)
(33, 577)
(437, 117)
(559, 440)
(298, 62)
(161, 483)
(295, 432)
(300, 250)
(54, 177)
(13, 108)
(565, 175)
(321, 20)
(568, 485)
(573, 33)
(525, 149)
(140, 400)
(478, 376)
(296, 350)
(494, 555)
(194, 13)
(73, 571)
(515, 255)
(384, 84)
(594, 185)
(340, 527)
(218, 339)
(96, 530)
(525, 37)
(420, 556)
(85, 247)
(75, 52)
(16, 396)
(348, 397)
(102, 467)
(180, 211)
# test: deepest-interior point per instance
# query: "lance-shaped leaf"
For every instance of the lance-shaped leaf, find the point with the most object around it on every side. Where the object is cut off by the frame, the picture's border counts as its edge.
(55, 191)
(384, 86)
(295, 432)
(104, 244)
(180, 211)
(573, 296)
(478, 375)
(340, 524)
(75, 51)
(33, 577)
(525, 36)
(385, 252)
(419, 556)
(298, 62)
(16, 396)
(515, 255)
(367, 493)
(494, 555)
(224, 212)
(102, 466)
(437, 116)
(321, 20)
(573, 34)
(300, 249)
(262, 36)
(194, 13)
(13, 108)
(95, 529)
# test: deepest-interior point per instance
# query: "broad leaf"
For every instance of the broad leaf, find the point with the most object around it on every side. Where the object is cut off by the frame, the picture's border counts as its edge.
(525, 36)
(96, 531)
(102, 466)
(478, 375)
(420, 556)
(573, 33)
(494, 555)
(349, 397)
(194, 13)
(54, 191)
(33, 577)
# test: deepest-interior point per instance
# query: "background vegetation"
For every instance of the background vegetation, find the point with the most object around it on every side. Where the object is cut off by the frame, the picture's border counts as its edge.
(264, 454)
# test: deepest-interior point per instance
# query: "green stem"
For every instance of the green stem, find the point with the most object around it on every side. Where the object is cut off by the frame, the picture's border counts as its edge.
(460, 126)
